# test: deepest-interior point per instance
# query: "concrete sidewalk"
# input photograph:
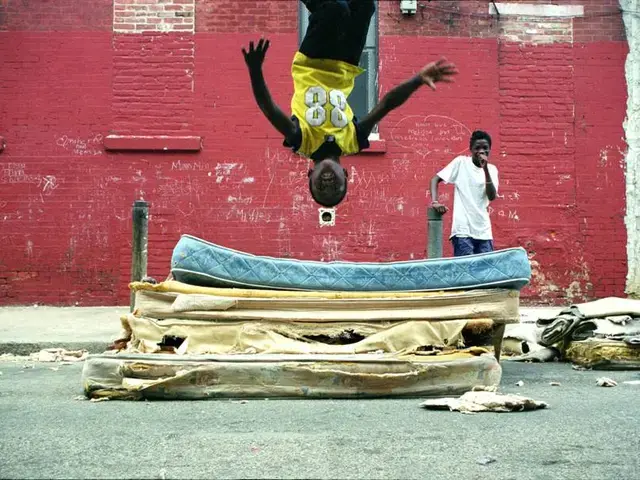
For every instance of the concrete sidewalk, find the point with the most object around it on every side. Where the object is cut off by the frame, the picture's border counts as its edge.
(24, 330)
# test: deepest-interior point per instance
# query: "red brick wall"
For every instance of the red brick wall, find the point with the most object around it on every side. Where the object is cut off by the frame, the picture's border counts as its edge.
(555, 111)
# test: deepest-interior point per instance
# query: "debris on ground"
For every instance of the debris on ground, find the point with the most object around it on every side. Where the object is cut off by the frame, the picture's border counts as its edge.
(99, 399)
(59, 355)
(632, 382)
(486, 460)
(541, 355)
(606, 382)
(555, 384)
(485, 388)
(520, 383)
(10, 357)
(472, 402)
(579, 367)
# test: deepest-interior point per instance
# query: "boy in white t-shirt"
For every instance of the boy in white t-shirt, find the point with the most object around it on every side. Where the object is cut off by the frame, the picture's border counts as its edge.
(476, 184)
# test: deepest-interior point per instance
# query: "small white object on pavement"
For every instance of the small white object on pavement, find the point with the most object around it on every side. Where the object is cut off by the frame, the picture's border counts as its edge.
(485, 388)
(606, 382)
(484, 402)
(59, 355)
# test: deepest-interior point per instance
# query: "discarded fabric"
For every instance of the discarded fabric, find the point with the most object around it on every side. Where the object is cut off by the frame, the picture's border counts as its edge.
(472, 402)
(58, 355)
(606, 382)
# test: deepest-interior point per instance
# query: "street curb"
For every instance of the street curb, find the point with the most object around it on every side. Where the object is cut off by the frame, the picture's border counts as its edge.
(24, 348)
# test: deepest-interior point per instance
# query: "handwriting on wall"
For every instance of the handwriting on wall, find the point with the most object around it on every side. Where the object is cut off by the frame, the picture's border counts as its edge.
(431, 135)
(223, 171)
(84, 147)
(183, 166)
(14, 173)
(509, 212)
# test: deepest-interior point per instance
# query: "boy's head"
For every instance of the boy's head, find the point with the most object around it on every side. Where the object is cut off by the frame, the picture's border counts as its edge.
(480, 143)
(328, 182)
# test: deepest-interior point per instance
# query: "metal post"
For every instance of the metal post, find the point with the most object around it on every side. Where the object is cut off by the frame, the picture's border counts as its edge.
(139, 246)
(434, 234)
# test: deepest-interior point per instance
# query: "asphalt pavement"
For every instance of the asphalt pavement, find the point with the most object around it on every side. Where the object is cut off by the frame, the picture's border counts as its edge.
(48, 431)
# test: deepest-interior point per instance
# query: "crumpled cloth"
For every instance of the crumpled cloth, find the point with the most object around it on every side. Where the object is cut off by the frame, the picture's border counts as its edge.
(560, 328)
(544, 354)
(571, 325)
(472, 402)
(58, 355)
(633, 341)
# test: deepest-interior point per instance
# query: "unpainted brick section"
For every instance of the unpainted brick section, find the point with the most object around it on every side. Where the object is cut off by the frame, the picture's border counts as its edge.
(602, 20)
(138, 16)
(536, 30)
(247, 16)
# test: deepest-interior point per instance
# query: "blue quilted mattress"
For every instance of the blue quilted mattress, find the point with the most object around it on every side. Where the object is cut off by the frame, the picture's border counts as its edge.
(198, 262)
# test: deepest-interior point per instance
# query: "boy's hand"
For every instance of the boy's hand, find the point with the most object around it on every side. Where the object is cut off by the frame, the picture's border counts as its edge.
(255, 56)
(484, 160)
(438, 207)
(440, 71)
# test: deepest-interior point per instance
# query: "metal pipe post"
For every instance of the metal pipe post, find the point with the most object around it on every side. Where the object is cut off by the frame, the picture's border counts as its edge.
(139, 250)
(434, 234)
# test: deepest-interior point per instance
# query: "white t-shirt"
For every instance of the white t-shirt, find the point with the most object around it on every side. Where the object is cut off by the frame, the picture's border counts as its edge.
(470, 201)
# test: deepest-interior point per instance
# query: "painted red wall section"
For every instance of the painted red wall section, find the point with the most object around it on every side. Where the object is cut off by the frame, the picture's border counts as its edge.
(153, 84)
(555, 112)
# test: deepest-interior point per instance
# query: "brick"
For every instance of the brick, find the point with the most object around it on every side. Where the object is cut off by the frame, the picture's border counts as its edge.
(537, 101)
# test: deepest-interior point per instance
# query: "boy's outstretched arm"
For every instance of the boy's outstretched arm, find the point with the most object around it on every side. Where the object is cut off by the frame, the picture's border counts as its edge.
(254, 59)
(440, 71)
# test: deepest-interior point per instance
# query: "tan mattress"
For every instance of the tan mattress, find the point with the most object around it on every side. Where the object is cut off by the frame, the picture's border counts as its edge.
(604, 354)
(161, 376)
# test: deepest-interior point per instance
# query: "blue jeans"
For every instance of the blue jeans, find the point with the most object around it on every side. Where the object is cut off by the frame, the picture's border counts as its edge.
(469, 246)
(337, 29)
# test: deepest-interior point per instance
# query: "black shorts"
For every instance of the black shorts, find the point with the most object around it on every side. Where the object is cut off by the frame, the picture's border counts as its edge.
(337, 29)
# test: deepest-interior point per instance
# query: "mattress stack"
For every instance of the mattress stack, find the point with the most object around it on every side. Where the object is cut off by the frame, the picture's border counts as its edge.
(234, 324)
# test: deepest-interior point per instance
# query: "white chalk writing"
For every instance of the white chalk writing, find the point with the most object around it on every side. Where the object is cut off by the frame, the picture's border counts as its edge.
(48, 184)
(239, 199)
(431, 135)
(13, 173)
(81, 146)
(223, 170)
(252, 215)
(511, 215)
(179, 188)
(190, 166)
